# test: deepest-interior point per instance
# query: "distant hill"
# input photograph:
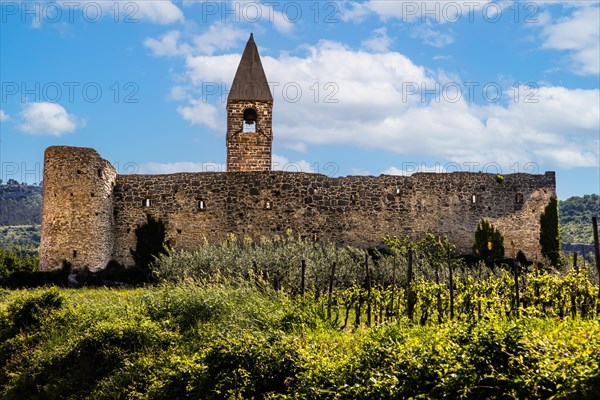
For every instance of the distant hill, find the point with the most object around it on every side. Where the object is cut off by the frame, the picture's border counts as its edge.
(576, 218)
(20, 205)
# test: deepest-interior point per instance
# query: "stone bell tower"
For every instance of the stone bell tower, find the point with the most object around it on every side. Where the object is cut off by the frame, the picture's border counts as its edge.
(249, 115)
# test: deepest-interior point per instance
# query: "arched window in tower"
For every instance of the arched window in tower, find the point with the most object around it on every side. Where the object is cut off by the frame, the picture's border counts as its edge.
(250, 120)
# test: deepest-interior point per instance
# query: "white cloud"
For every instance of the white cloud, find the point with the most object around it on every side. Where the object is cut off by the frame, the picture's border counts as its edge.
(201, 113)
(409, 168)
(166, 45)
(282, 163)
(379, 42)
(394, 171)
(220, 36)
(578, 34)
(432, 37)
(151, 168)
(407, 11)
(4, 116)
(159, 12)
(48, 119)
(333, 94)
(253, 11)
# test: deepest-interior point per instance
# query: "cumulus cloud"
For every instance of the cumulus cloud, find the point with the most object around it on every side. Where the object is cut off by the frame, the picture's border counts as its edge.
(219, 37)
(4, 116)
(161, 12)
(432, 37)
(379, 42)
(439, 11)
(282, 163)
(409, 168)
(579, 35)
(48, 119)
(333, 94)
(252, 10)
(152, 168)
(166, 45)
(158, 12)
(199, 112)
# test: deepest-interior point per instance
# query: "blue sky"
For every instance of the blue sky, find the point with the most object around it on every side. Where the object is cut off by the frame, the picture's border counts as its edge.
(362, 87)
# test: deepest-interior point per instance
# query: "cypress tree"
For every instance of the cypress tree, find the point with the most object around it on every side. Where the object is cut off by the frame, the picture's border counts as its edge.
(550, 232)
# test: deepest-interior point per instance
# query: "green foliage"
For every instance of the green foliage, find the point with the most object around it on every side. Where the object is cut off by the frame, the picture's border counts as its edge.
(274, 260)
(150, 242)
(11, 262)
(550, 232)
(489, 243)
(22, 240)
(25, 313)
(220, 342)
(576, 218)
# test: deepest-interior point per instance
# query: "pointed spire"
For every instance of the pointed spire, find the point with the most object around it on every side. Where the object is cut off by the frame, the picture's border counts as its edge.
(250, 82)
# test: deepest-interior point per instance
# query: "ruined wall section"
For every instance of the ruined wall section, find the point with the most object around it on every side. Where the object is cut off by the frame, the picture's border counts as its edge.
(357, 210)
(249, 152)
(77, 209)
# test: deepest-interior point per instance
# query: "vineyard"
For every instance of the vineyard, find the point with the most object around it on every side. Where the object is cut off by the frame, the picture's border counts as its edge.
(423, 281)
(288, 318)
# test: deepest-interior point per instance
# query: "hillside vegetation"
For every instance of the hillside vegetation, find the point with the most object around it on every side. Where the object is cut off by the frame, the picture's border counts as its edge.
(576, 218)
(22, 239)
(20, 205)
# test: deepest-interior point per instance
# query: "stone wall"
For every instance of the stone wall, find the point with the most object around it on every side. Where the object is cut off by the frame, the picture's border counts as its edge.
(357, 210)
(249, 151)
(77, 209)
(84, 213)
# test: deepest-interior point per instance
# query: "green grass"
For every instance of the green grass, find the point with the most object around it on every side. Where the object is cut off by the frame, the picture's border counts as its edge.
(239, 341)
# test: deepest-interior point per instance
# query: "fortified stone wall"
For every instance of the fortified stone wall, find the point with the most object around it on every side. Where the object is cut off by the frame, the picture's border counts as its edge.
(357, 210)
(88, 221)
(77, 209)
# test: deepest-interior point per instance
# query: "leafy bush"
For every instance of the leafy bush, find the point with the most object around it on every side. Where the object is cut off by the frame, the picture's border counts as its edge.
(11, 262)
(183, 306)
(489, 243)
(26, 312)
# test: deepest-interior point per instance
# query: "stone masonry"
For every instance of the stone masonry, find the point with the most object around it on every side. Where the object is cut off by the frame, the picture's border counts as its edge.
(90, 214)
(249, 152)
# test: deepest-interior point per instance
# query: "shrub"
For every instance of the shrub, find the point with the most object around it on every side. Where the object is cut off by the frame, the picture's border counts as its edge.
(150, 242)
(489, 243)
(185, 306)
(25, 312)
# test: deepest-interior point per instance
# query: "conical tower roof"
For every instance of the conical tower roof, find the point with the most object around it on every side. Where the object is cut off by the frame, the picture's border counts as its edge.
(250, 82)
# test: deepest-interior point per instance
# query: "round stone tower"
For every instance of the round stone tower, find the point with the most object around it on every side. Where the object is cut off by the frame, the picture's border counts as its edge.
(77, 210)
(249, 116)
